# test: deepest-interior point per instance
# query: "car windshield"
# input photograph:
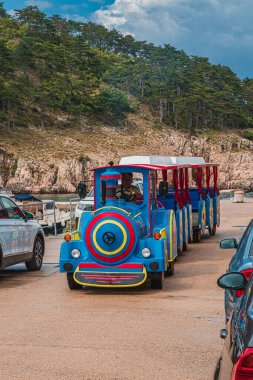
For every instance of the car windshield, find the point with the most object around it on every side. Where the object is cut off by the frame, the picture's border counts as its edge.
(244, 240)
(137, 182)
(251, 250)
(90, 194)
(13, 212)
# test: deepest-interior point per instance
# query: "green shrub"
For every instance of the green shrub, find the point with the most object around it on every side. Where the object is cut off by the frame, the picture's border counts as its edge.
(113, 101)
(14, 169)
(3, 116)
(248, 134)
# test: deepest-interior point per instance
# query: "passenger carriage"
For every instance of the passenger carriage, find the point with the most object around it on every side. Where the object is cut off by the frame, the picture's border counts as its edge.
(200, 197)
(201, 207)
(122, 243)
(172, 195)
(205, 199)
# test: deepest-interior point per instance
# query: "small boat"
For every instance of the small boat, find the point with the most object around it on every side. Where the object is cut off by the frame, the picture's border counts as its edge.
(46, 212)
(6, 191)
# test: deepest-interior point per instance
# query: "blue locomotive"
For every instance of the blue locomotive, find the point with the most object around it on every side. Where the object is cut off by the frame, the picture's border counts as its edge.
(123, 241)
(131, 237)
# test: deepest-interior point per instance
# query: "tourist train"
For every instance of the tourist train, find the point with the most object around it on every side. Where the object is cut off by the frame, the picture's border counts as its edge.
(131, 237)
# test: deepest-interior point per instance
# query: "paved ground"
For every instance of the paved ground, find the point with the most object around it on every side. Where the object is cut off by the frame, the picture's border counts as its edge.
(49, 332)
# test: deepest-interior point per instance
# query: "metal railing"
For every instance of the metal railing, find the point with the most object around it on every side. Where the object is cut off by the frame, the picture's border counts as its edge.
(69, 206)
(36, 205)
(228, 195)
(70, 212)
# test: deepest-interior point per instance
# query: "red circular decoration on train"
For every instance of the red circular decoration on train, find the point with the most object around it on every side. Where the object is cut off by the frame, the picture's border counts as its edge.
(125, 222)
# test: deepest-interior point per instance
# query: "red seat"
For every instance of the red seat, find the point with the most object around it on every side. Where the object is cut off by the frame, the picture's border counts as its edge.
(2, 214)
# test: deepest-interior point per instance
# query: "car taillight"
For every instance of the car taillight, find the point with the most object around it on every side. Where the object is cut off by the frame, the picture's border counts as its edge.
(243, 368)
(247, 273)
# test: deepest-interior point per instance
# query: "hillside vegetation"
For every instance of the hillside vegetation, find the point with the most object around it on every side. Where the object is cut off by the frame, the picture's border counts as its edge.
(56, 72)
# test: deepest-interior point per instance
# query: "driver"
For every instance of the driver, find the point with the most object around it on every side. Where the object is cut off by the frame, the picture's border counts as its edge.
(127, 190)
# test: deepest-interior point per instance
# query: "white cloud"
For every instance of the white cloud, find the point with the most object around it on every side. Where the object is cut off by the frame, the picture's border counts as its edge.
(40, 4)
(75, 17)
(111, 19)
(11, 12)
(214, 28)
(145, 19)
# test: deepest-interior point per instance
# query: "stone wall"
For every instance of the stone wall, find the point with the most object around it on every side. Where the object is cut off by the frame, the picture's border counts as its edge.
(232, 153)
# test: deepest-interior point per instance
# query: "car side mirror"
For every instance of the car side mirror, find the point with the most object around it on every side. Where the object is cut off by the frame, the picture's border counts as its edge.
(27, 215)
(228, 243)
(232, 281)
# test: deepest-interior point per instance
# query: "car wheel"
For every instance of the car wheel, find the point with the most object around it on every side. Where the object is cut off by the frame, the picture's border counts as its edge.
(1, 257)
(179, 251)
(217, 370)
(170, 270)
(156, 280)
(197, 236)
(227, 305)
(38, 253)
(71, 282)
(214, 229)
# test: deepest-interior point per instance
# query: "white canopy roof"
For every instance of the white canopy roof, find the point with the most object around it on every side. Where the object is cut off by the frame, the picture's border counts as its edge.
(161, 160)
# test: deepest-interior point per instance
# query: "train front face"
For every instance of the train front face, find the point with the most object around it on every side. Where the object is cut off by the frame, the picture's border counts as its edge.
(115, 248)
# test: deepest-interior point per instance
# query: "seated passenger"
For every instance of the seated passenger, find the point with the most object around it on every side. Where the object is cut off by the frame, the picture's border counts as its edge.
(127, 190)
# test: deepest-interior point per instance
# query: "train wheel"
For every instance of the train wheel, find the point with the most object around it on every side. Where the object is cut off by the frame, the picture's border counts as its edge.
(197, 236)
(156, 280)
(71, 282)
(217, 370)
(214, 229)
(179, 251)
(170, 270)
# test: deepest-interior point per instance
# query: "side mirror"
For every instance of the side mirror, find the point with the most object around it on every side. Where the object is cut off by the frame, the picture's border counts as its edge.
(228, 243)
(232, 281)
(27, 215)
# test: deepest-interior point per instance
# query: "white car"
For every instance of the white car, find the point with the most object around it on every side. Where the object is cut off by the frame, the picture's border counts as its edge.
(87, 204)
(21, 240)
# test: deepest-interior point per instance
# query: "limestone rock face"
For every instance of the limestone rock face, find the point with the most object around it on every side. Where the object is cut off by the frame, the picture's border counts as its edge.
(52, 175)
(42, 177)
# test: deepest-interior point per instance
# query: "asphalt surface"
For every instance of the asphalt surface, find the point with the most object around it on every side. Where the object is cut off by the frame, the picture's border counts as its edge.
(50, 332)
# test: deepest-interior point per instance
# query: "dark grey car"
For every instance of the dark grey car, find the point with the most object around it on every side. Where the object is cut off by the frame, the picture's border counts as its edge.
(236, 362)
(242, 261)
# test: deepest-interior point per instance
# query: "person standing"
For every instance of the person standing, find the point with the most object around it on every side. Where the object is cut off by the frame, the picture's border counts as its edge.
(81, 189)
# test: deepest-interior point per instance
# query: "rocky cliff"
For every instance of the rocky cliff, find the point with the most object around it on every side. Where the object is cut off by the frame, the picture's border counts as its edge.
(40, 160)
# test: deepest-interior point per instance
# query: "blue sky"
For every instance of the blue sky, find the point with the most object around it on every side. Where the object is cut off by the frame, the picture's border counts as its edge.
(81, 10)
(221, 30)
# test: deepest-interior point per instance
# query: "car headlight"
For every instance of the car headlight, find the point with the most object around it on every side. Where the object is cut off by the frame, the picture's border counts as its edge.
(146, 252)
(85, 207)
(75, 253)
(81, 206)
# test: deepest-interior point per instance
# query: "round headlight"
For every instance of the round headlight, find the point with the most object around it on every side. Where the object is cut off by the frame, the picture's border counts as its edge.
(75, 253)
(146, 252)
